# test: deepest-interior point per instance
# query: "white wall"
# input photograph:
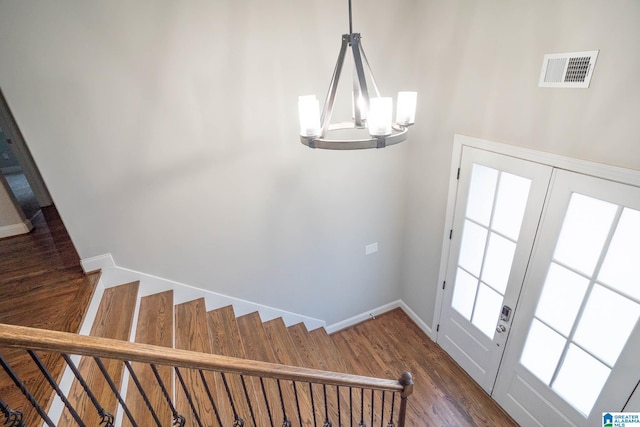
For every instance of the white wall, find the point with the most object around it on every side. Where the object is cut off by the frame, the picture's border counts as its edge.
(167, 135)
(478, 68)
(167, 131)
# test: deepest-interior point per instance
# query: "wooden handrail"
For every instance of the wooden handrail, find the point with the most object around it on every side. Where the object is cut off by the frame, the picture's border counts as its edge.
(64, 342)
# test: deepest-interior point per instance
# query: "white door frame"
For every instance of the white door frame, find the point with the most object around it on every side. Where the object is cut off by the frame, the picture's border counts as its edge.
(612, 173)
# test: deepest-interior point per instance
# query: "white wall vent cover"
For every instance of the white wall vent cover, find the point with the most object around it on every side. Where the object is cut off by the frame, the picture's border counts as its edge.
(570, 70)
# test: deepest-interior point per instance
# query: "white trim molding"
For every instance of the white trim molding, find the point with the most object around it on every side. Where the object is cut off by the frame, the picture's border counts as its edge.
(100, 262)
(371, 314)
(113, 275)
(15, 229)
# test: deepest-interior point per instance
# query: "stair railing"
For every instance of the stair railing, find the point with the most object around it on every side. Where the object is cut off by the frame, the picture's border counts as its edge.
(319, 398)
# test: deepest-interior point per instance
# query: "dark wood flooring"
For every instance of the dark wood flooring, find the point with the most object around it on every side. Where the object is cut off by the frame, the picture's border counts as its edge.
(42, 285)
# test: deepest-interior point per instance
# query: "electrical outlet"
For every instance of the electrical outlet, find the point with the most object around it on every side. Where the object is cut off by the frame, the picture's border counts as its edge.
(371, 248)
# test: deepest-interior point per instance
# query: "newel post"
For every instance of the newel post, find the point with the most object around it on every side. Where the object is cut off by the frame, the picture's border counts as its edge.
(407, 382)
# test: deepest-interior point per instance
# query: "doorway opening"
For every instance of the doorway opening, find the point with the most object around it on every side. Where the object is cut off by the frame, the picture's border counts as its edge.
(18, 167)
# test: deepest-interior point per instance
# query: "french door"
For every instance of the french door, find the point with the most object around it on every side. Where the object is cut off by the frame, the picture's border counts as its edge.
(544, 297)
(574, 348)
(498, 205)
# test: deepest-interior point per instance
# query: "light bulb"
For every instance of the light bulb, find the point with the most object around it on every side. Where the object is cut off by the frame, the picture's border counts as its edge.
(379, 119)
(309, 112)
(406, 109)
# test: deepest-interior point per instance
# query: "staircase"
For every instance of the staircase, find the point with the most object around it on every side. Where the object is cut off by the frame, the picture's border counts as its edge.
(300, 386)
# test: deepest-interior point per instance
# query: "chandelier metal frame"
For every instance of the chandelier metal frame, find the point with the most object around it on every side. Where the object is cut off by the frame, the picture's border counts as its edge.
(361, 102)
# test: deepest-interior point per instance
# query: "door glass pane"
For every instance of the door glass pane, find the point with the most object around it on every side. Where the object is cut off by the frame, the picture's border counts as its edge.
(488, 305)
(464, 293)
(621, 268)
(606, 324)
(561, 298)
(580, 390)
(474, 238)
(542, 364)
(497, 263)
(511, 202)
(584, 231)
(481, 194)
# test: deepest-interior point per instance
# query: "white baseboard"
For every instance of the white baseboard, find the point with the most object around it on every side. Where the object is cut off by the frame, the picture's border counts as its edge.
(16, 229)
(100, 262)
(113, 275)
(377, 311)
(354, 320)
(417, 320)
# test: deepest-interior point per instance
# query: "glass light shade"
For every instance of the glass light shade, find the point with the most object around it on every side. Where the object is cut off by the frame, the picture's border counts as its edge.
(309, 112)
(380, 113)
(358, 103)
(406, 111)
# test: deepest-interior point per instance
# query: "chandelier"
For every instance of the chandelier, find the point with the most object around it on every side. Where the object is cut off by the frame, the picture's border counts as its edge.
(371, 113)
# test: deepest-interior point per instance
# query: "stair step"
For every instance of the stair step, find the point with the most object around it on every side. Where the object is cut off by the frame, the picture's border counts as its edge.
(283, 346)
(314, 354)
(286, 353)
(113, 320)
(226, 341)
(328, 351)
(192, 334)
(257, 347)
(307, 347)
(155, 327)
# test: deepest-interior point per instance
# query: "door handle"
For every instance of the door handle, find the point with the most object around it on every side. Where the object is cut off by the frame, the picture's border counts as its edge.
(500, 329)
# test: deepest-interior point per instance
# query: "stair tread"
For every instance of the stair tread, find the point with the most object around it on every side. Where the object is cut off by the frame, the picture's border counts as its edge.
(226, 341)
(257, 347)
(283, 346)
(113, 320)
(155, 327)
(192, 333)
(328, 350)
(315, 356)
(306, 347)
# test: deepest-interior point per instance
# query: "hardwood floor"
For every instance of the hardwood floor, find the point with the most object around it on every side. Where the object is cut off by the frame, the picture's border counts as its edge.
(41, 285)
(444, 395)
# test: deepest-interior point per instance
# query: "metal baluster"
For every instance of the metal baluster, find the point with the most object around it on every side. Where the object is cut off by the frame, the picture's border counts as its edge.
(213, 403)
(372, 410)
(266, 401)
(18, 382)
(246, 396)
(106, 417)
(54, 385)
(237, 421)
(12, 418)
(285, 419)
(362, 423)
(147, 402)
(188, 395)
(178, 420)
(313, 405)
(114, 389)
(327, 423)
(393, 403)
(339, 412)
(295, 393)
